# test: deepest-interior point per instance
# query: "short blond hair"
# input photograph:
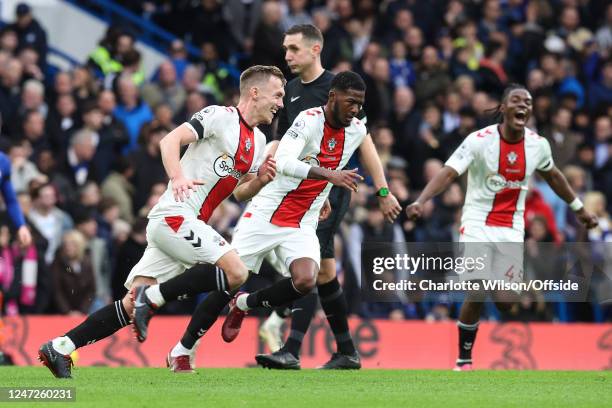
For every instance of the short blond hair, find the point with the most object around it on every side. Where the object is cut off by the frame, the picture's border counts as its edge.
(259, 74)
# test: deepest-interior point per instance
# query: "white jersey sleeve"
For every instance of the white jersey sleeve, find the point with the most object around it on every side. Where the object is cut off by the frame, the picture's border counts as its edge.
(290, 147)
(546, 162)
(461, 158)
(208, 122)
(260, 152)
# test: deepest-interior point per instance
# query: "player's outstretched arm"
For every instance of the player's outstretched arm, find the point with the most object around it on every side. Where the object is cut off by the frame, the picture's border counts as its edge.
(252, 184)
(170, 148)
(341, 178)
(369, 157)
(436, 185)
(557, 181)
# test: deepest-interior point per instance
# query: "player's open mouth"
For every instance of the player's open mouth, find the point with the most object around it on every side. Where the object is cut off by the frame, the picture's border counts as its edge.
(520, 116)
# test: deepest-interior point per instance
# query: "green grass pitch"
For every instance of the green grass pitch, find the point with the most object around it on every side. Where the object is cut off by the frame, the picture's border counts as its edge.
(256, 387)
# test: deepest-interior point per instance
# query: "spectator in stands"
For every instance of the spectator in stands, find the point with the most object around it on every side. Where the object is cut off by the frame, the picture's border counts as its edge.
(148, 168)
(131, 111)
(166, 90)
(97, 252)
(295, 14)
(117, 186)
(563, 141)
(31, 70)
(402, 72)
(10, 92)
(432, 78)
(30, 33)
(77, 165)
(380, 92)
(48, 219)
(62, 121)
(600, 92)
(128, 254)
(242, 18)
(33, 132)
(73, 277)
(268, 37)
(107, 143)
(23, 171)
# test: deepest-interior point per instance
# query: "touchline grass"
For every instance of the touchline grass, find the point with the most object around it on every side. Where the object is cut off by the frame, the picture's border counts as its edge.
(256, 387)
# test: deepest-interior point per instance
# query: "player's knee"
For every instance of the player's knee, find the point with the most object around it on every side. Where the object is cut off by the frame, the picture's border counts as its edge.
(304, 281)
(236, 276)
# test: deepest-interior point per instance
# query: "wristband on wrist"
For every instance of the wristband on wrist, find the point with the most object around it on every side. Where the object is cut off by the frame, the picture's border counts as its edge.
(576, 205)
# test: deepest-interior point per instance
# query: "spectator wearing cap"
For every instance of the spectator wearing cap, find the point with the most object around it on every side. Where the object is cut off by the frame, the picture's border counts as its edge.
(30, 33)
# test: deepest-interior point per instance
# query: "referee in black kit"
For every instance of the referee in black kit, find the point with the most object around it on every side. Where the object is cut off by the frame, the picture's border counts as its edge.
(303, 45)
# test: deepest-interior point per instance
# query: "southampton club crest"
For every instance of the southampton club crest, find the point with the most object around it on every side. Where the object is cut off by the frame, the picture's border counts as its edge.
(512, 156)
(248, 145)
(331, 144)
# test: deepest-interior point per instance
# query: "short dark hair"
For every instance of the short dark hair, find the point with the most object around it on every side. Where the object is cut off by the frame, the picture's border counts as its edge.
(259, 73)
(348, 80)
(308, 31)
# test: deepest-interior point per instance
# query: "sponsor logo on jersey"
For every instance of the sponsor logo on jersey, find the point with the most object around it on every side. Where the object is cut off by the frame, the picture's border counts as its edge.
(292, 134)
(219, 241)
(313, 161)
(224, 166)
(497, 183)
(295, 98)
(512, 156)
(300, 124)
(200, 115)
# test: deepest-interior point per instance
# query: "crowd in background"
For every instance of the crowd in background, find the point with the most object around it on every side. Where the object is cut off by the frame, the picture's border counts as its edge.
(84, 143)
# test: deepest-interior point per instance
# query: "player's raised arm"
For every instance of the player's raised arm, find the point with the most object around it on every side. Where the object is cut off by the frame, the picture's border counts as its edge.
(387, 201)
(170, 148)
(557, 181)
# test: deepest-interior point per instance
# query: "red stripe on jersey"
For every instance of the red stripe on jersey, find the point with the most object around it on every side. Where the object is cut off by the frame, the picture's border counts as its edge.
(512, 167)
(225, 186)
(297, 202)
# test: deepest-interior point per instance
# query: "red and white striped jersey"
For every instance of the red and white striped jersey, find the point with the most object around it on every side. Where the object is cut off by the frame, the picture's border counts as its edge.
(294, 202)
(498, 175)
(226, 149)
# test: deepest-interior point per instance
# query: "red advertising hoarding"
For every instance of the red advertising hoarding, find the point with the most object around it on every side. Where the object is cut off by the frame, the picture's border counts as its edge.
(381, 343)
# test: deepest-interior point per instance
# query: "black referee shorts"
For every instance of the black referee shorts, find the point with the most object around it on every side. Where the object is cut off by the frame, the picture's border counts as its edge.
(340, 199)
